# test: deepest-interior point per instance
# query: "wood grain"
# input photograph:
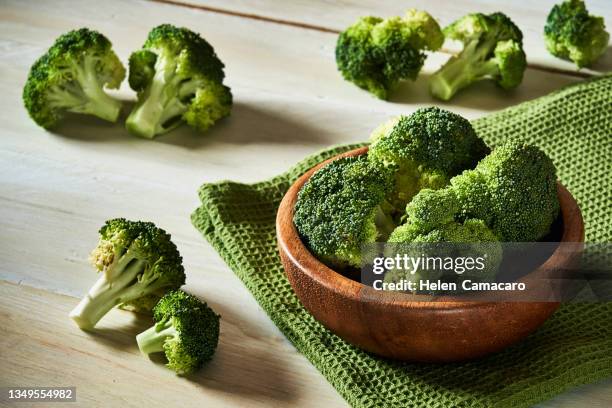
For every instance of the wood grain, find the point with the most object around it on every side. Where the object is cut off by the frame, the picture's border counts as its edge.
(57, 188)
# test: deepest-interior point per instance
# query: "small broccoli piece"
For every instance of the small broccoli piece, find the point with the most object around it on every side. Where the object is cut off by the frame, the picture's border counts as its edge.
(492, 49)
(179, 78)
(375, 53)
(71, 77)
(431, 208)
(571, 33)
(341, 207)
(137, 259)
(426, 148)
(186, 331)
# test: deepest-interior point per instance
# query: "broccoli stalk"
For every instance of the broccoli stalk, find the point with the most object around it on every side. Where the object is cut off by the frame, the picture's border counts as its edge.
(186, 330)
(492, 48)
(71, 77)
(153, 339)
(137, 260)
(178, 78)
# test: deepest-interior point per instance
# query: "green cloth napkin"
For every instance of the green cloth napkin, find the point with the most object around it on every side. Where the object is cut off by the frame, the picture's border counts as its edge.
(574, 126)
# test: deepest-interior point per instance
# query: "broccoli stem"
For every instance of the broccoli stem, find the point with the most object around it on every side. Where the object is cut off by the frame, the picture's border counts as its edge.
(107, 293)
(159, 105)
(97, 102)
(152, 340)
(462, 70)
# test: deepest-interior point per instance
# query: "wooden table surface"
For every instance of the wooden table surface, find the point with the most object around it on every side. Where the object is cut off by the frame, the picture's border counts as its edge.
(57, 188)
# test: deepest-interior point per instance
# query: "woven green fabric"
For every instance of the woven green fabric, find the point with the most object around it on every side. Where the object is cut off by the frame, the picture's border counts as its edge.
(574, 126)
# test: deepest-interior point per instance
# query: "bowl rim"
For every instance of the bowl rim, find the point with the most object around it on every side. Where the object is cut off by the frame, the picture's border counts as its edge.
(290, 243)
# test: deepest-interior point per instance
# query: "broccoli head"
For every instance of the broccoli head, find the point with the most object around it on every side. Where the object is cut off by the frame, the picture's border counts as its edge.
(341, 207)
(71, 77)
(521, 192)
(426, 149)
(375, 53)
(186, 330)
(471, 238)
(137, 260)
(492, 49)
(179, 78)
(572, 33)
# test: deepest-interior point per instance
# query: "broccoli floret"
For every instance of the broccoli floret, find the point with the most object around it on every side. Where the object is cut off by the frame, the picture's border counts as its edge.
(137, 259)
(472, 237)
(71, 77)
(341, 207)
(375, 53)
(179, 78)
(571, 33)
(519, 195)
(492, 49)
(512, 190)
(426, 148)
(186, 331)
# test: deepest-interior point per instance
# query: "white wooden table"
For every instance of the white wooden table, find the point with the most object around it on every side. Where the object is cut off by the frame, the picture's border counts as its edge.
(56, 189)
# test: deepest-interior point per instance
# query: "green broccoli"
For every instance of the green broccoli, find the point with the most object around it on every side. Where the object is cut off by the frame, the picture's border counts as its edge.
(186, 330)
(426, 149)
(137, 259)
(375, 53)
(512, 190)
(178, 78)
(71, 77)
(492, 48)
(341, 207)
(471, 238)
(571, 33)
(515, 192)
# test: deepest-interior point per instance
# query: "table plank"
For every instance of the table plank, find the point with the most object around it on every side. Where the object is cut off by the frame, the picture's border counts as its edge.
(41, 347)
(530, 16)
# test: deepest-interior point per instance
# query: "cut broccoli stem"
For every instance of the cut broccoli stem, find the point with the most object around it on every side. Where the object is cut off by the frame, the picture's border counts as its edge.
(159, 104)
(152, 340)
(89, 97)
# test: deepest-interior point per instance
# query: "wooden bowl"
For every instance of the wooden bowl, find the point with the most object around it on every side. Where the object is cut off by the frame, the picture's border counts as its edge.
(400, 325)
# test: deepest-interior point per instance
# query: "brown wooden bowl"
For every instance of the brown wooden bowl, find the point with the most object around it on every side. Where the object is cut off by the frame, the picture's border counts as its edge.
(400, 325)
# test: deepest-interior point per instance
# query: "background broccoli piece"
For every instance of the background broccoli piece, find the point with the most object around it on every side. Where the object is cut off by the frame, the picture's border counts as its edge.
(71, 77)
(492, 49)
(425, 150)
(186, 330)
(137, 259)
(341, 207)
(571, 33)
(179, 78)
(375, 53)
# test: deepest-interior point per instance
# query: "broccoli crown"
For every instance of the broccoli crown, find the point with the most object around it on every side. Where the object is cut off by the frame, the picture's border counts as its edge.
(186, 330)
(512, 191)
(375, 53)
(428, 148)
(179, 78)
(431, 208)
(492, 48)
(71, 77)
(572, 33)
(138, 262)
(339, 209)
(522, 185)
